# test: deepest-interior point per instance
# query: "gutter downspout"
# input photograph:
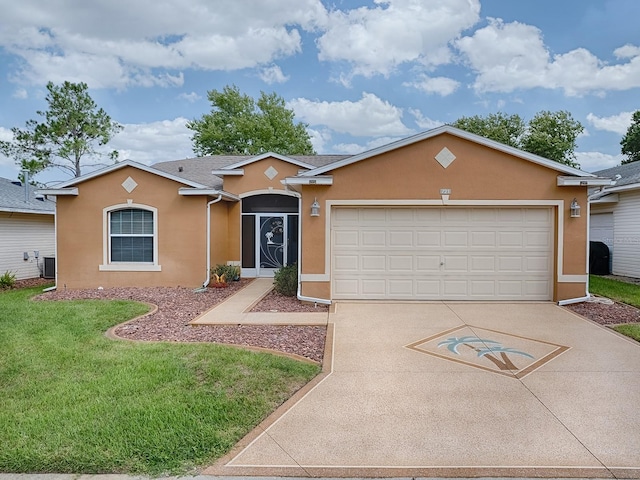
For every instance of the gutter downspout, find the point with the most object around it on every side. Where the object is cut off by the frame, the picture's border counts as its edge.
(587, 296)
(301, 297)
(55, 250)
(206, 282)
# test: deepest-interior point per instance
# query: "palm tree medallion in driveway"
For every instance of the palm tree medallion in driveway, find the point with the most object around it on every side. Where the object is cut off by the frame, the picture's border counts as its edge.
(491, 350)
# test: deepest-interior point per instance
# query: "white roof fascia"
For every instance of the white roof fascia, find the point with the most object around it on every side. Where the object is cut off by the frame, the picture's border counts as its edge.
(564, 181)
(207, 191)
(128, 163)
(458, 133)
(607, 198)
(262, 156)
(57, 191)
(26, 210)
(222, 172)
(320, 180)
(610, 190)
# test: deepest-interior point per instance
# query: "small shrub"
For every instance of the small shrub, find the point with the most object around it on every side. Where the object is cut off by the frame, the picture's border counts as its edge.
(285, 280)
(7, 280)
(230, 272)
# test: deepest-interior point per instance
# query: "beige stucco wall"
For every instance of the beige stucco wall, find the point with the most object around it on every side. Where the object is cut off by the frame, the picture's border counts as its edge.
(412, 173)
(181, 232)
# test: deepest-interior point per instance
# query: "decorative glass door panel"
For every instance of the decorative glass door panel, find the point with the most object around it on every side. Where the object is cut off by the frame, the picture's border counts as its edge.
(272, 233)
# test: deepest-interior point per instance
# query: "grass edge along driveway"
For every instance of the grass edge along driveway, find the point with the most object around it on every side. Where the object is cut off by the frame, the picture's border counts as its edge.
(622, 292)
(74, 401)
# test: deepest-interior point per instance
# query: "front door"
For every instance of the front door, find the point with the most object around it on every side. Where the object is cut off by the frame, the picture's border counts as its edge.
(269, 233)
(271, 243)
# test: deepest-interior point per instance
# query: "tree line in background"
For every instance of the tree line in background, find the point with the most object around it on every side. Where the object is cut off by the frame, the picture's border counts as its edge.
(72, 130)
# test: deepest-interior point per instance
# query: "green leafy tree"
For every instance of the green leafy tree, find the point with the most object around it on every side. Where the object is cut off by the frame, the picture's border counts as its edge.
(631, 141)
(553, 135)
(548, 134)
(507, 129)
(71, 130)
(238, 125)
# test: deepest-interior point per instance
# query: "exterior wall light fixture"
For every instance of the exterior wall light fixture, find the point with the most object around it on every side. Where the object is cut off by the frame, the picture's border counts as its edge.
(575, 209)
(315, 208)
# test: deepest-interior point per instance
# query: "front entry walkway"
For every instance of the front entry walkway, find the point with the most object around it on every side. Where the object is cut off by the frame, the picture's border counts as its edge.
(458, 389)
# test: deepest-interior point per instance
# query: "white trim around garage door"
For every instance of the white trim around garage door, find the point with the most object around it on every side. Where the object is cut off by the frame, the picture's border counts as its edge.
(560, 204)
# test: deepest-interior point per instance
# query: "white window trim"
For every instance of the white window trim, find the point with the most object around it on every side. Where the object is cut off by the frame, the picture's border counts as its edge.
(107, 266)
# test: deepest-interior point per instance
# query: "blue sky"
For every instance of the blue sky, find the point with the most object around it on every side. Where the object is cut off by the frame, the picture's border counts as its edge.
(360, 73)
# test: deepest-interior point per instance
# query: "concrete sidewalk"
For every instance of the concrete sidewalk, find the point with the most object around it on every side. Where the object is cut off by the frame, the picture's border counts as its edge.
(235, 310)
(397, 402)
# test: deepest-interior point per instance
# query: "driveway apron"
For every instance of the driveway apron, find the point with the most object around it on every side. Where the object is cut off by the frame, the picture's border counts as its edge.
(458, 389)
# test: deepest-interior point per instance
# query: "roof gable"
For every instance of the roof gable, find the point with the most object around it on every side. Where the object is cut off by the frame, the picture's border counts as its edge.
(458, 133)
(128, 163)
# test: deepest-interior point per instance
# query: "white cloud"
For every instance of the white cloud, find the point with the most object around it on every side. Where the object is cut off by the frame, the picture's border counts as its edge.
(190, 97)
(20, 93)
(616, 123)
(510, 56)
(377, 40)
(319, 140)
(439, 85)
(6, 135)
(355, 148)
(153, 142)
(595, 161)
(117, 44)
(369, 116)
(423, 122)
(273, 74)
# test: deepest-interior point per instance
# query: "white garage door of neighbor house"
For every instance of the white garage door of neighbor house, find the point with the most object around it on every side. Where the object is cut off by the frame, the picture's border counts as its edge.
(601, 228)
(448, 253)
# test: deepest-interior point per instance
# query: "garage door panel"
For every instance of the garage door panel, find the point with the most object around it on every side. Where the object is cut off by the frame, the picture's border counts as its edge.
(455, 288)
(455, 239)
(428, 239)
(511, 239)
(537, 239)
(483, 239)
(483, 288)
(455, 263)
(374, 238)
(374, 263)
(429, 289)
(375, 287)
(346, 263)
(401, 239)
(510, 264)
(485, 264)
(346, 238)
(402, 264)
(442, 253)
(428, 263)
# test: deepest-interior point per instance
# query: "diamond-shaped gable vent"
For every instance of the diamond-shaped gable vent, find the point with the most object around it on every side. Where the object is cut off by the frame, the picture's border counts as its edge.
(445, 157)
(129, 184)
(271, 173)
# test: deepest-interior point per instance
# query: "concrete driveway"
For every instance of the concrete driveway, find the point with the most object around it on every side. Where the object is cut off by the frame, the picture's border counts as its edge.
(458, 389)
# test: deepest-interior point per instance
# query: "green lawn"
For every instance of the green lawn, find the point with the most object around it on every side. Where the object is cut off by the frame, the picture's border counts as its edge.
(74, 401)
(619, 291)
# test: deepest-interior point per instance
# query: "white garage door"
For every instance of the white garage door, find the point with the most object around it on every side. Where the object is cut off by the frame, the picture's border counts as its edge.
(442, 253)
(601, 228)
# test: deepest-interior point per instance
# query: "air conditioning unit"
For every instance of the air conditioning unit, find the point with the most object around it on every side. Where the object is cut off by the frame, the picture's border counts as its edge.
(49, 267)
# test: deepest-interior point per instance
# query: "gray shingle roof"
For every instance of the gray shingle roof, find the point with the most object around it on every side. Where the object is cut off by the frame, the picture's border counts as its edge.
(199, 169)
(629, 173)
(12, 199)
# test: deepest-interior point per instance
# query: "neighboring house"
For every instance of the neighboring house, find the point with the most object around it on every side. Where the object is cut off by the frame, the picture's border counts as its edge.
(27, 230)
(615, 218)
(444, 214)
